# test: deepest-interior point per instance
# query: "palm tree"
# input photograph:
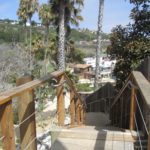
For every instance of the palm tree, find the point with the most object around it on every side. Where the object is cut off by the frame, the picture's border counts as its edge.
(98, 49)
(46, 16)
(61, 39)
(22, 14)
(66, 11)
(26, 10)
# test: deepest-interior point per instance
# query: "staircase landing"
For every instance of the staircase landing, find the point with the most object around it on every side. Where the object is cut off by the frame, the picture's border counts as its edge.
(102, 137)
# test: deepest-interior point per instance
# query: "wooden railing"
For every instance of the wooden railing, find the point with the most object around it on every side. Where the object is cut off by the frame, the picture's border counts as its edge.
(100, 100)
(26, 111)
(131, 107)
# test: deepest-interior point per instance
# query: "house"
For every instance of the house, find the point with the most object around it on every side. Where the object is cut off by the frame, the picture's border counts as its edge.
(81, 69)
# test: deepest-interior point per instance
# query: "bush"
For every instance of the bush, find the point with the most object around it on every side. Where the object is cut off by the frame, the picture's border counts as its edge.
(84, 87)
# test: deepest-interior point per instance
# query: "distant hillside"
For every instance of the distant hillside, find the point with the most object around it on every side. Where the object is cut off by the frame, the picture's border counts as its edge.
(12, 31)
(85, 35)
(84, 39)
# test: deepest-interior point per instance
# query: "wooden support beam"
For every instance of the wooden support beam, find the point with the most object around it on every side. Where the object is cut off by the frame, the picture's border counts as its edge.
(78, 111)
(115, 114)
(72, 107)
(26, 108)
(60, 102)
(121, 112)
(132, 109)
(7, 126)
(82, 114)
(148, 145)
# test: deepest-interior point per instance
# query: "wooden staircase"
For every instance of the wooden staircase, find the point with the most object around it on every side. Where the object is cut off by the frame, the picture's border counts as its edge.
(100, 136)
(92, 131)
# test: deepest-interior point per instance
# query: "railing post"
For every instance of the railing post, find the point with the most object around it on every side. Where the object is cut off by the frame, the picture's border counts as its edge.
(132, 109)
(78, 111)
(7, 126)
(72, 107)
(26, 108)
(60, 102)
(82, 114)
(121, 112)
(148, 146)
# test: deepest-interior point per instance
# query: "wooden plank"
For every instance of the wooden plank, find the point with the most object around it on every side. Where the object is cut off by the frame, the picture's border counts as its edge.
(121, 91)
(7, 127)
(78, 111)
(148, 146)
(72, 107)
(71, 85)
(60, 102)
(8, 95)
(82, 114)
(26, 108)
(143, 85)
(121, 112)
(79, 114)
(132, 109)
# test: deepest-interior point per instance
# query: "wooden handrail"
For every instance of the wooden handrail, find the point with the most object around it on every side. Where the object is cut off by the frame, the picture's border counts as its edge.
(8, 95)
(121, 91)
(78, 103)
(71, 85)
(24, 94)
(140, 82)
(143, 85)
(130, 110)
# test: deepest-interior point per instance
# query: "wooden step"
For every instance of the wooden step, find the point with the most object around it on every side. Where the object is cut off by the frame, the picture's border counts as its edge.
(137, 145)
(85, 144)
(93, 135)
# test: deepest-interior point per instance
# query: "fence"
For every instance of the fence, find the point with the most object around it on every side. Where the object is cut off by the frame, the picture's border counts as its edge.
(101, 100)
(131, 107)
(26, 110)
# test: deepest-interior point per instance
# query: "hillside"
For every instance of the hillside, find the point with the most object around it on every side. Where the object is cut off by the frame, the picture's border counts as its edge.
(85, 35)
(84, 39)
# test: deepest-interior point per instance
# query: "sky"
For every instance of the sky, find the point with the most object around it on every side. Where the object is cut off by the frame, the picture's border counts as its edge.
(115, 12)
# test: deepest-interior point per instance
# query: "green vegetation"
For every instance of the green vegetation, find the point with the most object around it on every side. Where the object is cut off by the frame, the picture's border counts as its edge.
(85, 35)
(11, 33)
(84, 87)
(131, 44)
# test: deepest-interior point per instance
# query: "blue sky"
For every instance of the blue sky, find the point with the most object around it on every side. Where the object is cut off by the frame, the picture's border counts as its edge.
(115, 12)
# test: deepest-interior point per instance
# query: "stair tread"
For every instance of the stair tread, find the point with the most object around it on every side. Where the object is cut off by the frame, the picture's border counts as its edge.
(84, 144)
(88, 132)
(96, 135)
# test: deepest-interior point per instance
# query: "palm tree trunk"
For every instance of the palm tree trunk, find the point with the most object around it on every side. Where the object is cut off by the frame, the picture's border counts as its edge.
(98, 49)
(31, 61)
(45, 55)
(61, 40)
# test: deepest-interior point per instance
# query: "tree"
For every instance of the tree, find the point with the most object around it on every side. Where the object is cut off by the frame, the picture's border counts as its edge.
(131, 44)
(58, 7)
(73, 55)
(46, 16)
(66, 12)
(98, 49)
(22, 14)
(25, 12)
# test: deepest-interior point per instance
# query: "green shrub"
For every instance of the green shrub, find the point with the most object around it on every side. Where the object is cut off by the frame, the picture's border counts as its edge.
(84, 87)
